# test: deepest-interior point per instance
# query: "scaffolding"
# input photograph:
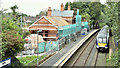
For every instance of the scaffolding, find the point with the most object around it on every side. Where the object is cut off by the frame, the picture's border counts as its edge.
(64, 35)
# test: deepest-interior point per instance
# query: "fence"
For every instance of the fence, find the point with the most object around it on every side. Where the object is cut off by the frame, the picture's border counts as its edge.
(40, 58)
(55, 45)
(45, 47)
(69, 29)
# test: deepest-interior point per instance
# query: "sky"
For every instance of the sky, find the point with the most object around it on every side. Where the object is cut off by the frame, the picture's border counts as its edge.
(33, 7)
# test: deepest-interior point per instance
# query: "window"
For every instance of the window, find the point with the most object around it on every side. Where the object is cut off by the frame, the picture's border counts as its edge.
(104, 40)
(99, 40)
(46, 33)
(40, 33)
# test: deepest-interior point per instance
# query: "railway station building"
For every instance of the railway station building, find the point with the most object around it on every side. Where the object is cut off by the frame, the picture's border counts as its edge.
(49, 24)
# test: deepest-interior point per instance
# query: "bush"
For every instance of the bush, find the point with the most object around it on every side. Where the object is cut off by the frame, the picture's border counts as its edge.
(12, 40)
(114, 59)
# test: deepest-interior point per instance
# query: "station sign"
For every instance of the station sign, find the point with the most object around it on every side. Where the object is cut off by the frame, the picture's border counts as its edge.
(5, 63)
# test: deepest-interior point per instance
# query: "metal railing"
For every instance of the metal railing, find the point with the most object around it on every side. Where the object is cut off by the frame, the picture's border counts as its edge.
(40, 58)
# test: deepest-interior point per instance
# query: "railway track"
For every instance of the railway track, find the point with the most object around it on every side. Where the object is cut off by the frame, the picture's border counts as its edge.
(101, 59)
(82, 55)
(87, 55)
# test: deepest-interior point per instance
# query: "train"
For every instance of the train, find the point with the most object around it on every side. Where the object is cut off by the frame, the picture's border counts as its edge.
(102, 39)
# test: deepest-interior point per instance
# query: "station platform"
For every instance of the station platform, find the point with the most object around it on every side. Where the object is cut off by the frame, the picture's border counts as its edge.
(52, 61)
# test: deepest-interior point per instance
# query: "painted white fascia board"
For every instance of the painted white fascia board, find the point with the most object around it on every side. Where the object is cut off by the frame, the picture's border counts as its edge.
(36, 21)
(41, 18)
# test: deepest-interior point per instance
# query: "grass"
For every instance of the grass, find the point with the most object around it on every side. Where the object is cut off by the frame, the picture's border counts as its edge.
(113, 61)
(26, 61)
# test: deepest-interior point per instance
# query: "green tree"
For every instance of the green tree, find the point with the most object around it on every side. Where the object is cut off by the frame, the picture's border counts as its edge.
(66, 6)
(90, 10)
(13, 8)
(14, 13)
(110, 15)
(42, 13)
(12, 43)
(12, 39)
(95, 11)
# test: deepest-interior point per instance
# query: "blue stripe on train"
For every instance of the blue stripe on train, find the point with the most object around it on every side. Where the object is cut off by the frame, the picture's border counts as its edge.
(96, 43)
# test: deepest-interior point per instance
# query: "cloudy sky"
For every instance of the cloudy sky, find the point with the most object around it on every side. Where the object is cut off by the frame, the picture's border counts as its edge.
(32, 7)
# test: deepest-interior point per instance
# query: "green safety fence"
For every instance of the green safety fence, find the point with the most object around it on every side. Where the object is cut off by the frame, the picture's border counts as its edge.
(85, 24)
(70, 29)
(48, 46)
(52, 45)
(44, 46)
(41, 47)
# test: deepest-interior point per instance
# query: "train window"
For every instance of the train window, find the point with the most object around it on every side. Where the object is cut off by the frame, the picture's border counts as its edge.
(100, 40)
(104, 40)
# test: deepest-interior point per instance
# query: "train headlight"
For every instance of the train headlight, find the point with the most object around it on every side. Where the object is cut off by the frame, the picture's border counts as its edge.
(106, 46)
(97, 46)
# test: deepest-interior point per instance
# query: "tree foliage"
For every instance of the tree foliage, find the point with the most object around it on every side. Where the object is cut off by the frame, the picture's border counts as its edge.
(43, 13)
(12, 43)
(12, 39)
(13, 8)
(90, 10)
(110, 15)
(66, 6)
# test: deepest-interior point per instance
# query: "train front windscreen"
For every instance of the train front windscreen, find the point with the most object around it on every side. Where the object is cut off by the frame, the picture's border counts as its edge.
(102, 40)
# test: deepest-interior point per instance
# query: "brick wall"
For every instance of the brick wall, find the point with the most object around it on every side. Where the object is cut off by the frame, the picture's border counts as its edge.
(52, 33)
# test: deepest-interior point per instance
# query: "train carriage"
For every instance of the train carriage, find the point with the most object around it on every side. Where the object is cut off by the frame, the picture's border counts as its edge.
(102, 41)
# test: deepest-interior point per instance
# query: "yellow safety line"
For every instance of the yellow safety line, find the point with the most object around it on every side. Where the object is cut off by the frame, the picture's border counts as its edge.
(73, 50)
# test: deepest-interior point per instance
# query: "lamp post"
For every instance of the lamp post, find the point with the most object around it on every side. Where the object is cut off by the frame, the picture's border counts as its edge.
(20, 19)
(37, 45)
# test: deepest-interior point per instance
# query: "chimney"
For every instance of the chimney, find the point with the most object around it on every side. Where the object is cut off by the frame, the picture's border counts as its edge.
(62, 7)
(49, 11)
(68, 5)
